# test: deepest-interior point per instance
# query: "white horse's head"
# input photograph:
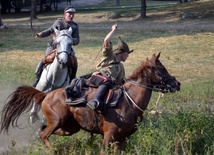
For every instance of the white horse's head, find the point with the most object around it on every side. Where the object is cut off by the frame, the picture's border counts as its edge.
(63, 43)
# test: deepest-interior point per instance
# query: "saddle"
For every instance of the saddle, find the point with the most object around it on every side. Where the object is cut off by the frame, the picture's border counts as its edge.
(74, 96)
(49, 58)
(72, 61)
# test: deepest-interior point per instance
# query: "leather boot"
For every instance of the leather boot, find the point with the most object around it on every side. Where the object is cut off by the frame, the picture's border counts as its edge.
(73, 74)
(67, 94)
(38, 73)
(97, 101)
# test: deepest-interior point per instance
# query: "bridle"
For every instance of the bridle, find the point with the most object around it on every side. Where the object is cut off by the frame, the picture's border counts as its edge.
(57, 57)
(58, 53)
(52, 85)
(153, 87)
(67, 52)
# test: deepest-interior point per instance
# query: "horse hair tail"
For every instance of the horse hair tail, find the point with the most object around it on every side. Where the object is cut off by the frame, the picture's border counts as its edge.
(20, 100)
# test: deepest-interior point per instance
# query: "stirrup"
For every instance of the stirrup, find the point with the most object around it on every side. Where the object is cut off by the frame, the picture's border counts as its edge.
(93, 104)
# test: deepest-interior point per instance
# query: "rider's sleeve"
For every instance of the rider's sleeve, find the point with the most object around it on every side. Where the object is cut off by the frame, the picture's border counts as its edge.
(45, 33)
(107, 51)
(50, 30)
(75, 34)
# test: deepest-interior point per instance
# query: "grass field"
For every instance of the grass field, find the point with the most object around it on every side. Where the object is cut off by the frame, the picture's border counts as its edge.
(186, 122)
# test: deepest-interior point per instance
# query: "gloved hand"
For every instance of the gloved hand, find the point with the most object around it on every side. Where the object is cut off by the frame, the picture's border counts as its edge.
(38, 35)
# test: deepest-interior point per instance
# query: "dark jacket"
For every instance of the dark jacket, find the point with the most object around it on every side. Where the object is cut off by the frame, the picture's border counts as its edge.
(61, 24)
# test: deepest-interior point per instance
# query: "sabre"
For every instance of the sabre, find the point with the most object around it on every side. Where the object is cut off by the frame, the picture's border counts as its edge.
(31, 21)
(100, 50)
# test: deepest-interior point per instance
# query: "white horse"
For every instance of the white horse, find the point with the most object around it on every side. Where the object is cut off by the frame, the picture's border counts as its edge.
(55, 75)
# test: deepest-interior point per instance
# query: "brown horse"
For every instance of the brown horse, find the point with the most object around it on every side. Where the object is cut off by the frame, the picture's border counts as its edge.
(116, 124)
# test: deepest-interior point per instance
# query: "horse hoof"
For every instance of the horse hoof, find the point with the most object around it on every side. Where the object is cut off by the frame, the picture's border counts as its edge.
(34, 117)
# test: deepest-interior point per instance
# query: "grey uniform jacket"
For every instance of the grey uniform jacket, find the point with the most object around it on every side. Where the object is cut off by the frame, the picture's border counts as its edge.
(61, 24)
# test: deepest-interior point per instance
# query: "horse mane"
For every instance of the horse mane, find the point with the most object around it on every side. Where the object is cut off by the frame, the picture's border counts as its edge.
(139, 71)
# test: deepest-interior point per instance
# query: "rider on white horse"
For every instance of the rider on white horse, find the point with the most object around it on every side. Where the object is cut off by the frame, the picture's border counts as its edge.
(56, 74)
(60, 24)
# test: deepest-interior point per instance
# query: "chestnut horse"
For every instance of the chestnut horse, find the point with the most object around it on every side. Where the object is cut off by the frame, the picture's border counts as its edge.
(116, 124)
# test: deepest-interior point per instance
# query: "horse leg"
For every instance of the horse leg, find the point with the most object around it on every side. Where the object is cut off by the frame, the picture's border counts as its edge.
(107, 139)
(50, 128)
(62, 132)
(70, 127)
(119, 145)
(34, 113)
(53, 120)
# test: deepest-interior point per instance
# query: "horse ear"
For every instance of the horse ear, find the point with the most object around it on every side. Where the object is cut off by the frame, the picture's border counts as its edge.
(154, 56)
(158, 55)
(153, 59)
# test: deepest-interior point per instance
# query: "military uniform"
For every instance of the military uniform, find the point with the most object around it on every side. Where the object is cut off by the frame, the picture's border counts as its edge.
(111, 65)
(60, 24)
(108, 68)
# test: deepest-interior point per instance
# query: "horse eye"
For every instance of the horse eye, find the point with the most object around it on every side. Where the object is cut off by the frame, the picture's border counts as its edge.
(162, 69)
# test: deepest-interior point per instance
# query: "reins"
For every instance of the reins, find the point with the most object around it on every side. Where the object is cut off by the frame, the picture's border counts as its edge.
(66, 78)
(130, 98)
(57, 57)
(52, 85)
(58, 53)
(157, 88)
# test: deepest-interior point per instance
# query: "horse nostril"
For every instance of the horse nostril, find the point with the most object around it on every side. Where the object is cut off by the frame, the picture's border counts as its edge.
(179, 83)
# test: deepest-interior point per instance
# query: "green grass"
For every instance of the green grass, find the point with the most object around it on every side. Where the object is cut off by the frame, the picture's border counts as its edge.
(186, 122)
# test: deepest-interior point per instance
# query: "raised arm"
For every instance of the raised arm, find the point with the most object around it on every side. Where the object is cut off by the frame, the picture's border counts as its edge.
(109, 36)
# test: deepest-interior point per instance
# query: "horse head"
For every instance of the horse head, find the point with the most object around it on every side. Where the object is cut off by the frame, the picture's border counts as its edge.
(63, 43)
(153, 74)
(161, 76)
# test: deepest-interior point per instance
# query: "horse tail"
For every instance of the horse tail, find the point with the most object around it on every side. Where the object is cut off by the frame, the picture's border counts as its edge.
(17, 102)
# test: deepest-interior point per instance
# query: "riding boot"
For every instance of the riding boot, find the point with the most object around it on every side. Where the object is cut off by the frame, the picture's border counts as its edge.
(68, 94)
(38, 73)
(97, 101)
(73, 73)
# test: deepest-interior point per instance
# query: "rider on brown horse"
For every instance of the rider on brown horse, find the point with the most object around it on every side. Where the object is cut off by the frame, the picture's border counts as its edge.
(61, 24)
(110, 68)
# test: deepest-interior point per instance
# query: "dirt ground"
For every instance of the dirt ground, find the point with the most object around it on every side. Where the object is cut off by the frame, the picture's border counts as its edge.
(78, 3)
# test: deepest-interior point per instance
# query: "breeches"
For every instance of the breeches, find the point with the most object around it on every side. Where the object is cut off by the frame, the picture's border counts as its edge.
(99, 79)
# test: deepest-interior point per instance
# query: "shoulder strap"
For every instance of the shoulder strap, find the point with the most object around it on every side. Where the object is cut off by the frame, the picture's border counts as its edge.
(113, 63)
